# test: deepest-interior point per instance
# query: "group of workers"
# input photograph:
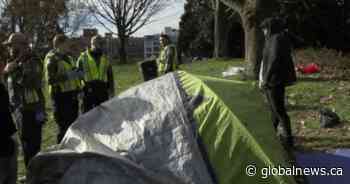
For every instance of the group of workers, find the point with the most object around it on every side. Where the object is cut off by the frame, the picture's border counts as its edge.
(88, 79)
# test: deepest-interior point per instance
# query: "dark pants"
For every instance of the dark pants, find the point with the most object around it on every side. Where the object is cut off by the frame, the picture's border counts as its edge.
(279, 116)
(66, 110)
(8, 163)
(8, 169)
(94, 96)
(30, 134)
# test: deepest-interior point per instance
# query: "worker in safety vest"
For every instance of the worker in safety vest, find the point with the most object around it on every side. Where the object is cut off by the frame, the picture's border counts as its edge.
(167, 60)
(98, 82)
(64, 85)
(23, 75)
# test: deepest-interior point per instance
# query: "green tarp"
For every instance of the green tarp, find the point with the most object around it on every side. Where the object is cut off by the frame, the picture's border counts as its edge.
(235, 126)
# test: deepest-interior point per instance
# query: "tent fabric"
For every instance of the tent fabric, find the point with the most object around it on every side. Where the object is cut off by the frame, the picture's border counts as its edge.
(178, 128)
(68, 167)
(234, 124)
(146, 125)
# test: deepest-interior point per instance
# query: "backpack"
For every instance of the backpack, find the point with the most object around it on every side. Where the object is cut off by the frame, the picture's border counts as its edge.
(328, 118)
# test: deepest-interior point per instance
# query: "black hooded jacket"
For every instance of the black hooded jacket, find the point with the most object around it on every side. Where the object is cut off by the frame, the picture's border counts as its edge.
(278, 66)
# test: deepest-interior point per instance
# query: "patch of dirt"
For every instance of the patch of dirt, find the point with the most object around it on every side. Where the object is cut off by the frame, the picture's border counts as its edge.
(307, 138)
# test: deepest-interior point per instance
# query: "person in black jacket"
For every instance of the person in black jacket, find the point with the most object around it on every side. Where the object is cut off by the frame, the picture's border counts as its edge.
(8, 159)
(277, 72)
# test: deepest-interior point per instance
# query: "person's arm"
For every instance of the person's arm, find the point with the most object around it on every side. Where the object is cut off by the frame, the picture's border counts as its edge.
(274, 59)
(9, 68)
(110, 77)
(52, 72)
(80, 66)
(169, 57)
(80, 62)
(40, 84)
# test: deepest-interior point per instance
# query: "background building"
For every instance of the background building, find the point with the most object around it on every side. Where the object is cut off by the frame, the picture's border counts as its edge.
(134, 47)
(151, 46)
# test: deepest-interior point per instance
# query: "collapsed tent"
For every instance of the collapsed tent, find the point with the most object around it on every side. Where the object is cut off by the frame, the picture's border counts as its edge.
(178, 128)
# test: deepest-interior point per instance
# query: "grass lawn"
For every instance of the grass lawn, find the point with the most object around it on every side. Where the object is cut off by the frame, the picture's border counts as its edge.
(305, 99)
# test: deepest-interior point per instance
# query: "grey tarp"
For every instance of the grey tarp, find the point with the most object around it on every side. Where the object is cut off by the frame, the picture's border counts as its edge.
(142, 136)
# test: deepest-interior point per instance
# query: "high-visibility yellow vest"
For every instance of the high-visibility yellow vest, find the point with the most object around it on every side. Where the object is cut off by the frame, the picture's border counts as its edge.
(162, 57)
(31, 96)
(93, 72)
(63, 68)
(68, 85)
(46, 74)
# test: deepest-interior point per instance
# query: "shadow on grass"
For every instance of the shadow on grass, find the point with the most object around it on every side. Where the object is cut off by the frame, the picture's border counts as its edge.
(317, 143)
(302, 107)
(322, 79)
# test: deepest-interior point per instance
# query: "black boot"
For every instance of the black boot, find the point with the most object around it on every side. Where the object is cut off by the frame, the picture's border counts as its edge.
(284, 132)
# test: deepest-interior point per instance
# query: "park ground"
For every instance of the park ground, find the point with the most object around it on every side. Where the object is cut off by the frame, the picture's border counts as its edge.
(304, 101)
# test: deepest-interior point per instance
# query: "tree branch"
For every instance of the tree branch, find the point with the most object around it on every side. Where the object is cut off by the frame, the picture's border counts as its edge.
(236, 5)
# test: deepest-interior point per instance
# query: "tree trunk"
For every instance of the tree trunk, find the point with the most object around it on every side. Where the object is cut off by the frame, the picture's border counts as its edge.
(252, 13)
(13, 24)
(218, 12)
(222, 27)
(122, 49)
(254, 42)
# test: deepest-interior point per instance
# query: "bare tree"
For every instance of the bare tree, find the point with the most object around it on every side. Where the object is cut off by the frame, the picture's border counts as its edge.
(40, 20)
(29, 17)
(3, 52)
(127, 16)
(3, 4)
(61, 16)
(7, 17)
(21, 13)
(76, 15)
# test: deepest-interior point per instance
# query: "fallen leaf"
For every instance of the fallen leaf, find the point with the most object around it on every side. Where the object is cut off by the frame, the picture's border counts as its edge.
(326, 99)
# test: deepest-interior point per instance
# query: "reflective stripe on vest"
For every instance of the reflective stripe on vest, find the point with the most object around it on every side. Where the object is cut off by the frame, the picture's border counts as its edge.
(92, 71)
(70, 85)
(46, 73)
(31, 96)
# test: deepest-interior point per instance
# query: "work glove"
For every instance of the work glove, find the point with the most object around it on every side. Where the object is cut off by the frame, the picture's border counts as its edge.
(111, 93)
(81, 95)
(70, 75)
(74, 74)
(10, 67)
(80, 74)
(255, 84)
(262, 85)
(40, 116)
